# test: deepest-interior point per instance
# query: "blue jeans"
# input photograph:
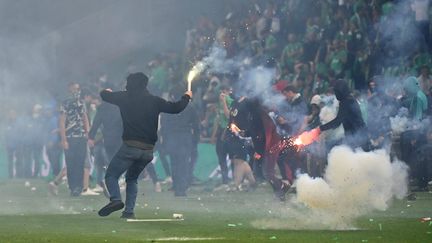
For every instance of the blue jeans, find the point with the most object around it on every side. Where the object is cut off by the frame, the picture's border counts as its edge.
(133, 161)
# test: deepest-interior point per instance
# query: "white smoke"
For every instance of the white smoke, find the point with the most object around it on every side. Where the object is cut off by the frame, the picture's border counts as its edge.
(256, 82)
(217, 61)
(253, 81)
(354, 184)
(401, 123)
(399, 34)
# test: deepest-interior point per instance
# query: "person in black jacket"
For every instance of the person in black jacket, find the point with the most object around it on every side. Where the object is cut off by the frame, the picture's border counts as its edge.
(349, 115)
(179, 132)
(140, 115)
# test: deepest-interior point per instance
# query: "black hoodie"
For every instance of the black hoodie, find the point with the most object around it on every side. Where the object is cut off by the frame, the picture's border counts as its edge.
(349, 114)
(140, 112)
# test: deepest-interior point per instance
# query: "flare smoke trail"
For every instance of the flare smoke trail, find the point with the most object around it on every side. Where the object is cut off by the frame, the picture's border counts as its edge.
(253, 81)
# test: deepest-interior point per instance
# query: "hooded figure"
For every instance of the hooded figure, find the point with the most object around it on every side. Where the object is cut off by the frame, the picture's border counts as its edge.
(349, 115)
(140, 116)
(416, 100)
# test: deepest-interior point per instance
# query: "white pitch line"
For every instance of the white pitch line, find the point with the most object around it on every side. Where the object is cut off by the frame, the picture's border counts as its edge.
(153, 220)
(188, 239)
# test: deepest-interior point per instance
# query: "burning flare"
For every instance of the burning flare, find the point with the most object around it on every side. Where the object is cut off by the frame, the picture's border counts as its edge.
(235, 129)
(307, 137)
(196, 69)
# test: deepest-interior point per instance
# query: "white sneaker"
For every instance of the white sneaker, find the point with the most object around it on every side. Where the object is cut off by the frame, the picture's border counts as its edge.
(97, 188)
(157, 187)
(53, 188)
(89, 192)
(168, 180)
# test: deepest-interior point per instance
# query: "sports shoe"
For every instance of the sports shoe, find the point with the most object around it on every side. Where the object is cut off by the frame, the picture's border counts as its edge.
(157, 187)
(98, 188)
(168, 180)
(53, 188)
(412, 196)
(111, 207)
(89, 192)
(127, 215)
(285, 186)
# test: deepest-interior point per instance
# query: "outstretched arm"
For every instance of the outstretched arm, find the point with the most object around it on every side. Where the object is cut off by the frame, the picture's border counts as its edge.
(174, 107)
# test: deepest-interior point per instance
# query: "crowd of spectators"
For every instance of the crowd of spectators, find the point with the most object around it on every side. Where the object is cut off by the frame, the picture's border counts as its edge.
(311, 44)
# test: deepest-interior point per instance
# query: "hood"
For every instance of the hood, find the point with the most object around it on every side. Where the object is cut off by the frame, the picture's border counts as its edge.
(341, 90)
(136, 82)
(411, 86)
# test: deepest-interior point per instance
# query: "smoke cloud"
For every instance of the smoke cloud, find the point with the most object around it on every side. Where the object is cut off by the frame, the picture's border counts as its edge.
(401, 123)
(254, 81)
(400, 36)
(355, 183)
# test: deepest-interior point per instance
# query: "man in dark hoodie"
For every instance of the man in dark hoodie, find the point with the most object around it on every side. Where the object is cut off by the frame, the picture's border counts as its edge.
(349, 115)
(140, 115)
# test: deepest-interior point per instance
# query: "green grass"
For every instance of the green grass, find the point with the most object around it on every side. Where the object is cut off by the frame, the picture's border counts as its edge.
(35, 216)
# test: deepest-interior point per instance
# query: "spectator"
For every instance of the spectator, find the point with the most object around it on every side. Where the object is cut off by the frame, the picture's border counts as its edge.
(74, 127)
(179, 132)
(291, 52)
(224, 106)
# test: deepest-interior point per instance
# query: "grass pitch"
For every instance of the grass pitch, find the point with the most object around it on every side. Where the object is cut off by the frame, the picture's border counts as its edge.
(30, 214)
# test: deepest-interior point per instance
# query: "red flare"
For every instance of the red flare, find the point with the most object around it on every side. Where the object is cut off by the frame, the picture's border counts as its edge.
(307, 137)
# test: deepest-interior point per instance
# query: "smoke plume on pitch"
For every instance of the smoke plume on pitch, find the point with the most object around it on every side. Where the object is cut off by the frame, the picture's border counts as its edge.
(354, 184)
